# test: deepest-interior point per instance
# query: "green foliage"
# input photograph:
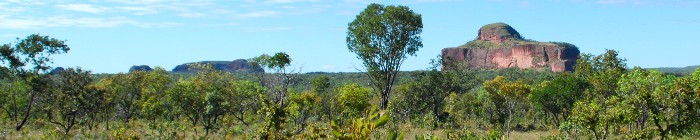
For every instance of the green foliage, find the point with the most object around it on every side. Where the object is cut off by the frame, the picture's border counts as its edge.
(506, 95)
(602, 71)
(244, 99)
(428, 93)
(321, 84)
(598, 119)
(361, 128)
(28, 60)
(501, 29)
(203, 98)
(302, 107)
(669, 103)
(354, 98)
(382, 37)
(74, 99)
(14, 98)
(557, 97)
(154, 102)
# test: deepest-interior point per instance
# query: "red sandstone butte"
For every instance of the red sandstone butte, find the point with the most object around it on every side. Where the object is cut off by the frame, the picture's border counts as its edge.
(500, 46)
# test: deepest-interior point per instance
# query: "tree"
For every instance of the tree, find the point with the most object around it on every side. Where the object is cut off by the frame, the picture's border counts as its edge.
(602, 71)
(557, 97)
(321, 84)
(354, 98)
(382, 37)
(301, 108)
(670, 103)
(74, 98)
(506, 95)
(274, 104)
(125, 91)
(244, 98)
(154, 102)
(428, 93)
(598, 118)
(28, 60)
(14, 97)
(202, 98)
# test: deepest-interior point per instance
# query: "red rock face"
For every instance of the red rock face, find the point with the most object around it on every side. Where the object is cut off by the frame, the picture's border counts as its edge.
(554, 57)
(500, 46)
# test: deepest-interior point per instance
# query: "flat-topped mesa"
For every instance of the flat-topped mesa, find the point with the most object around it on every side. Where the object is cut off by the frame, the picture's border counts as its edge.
(239, 65)
(498, 33)
(500, 46)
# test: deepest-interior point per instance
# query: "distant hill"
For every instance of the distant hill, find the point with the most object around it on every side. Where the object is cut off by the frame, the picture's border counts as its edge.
(240, 65)
(678, 70)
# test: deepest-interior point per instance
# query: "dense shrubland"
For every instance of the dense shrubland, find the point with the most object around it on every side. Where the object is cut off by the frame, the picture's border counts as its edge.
(602, 99)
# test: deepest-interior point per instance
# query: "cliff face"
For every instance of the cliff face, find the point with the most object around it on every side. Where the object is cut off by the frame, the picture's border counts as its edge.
(500, 46)
(239, 65)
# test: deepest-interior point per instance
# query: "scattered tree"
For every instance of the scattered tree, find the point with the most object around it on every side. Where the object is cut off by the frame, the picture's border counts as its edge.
(28, 60)
(382, 37)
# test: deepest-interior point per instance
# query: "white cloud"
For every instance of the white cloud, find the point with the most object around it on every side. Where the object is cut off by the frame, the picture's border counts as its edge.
(621, 1)
(83, 8)
(192, 15)
(287, 1)
(65, 21)
(137, 10)
(138, 2)
(328, 67)
(257, 14)
(279, 1)
(274, 29)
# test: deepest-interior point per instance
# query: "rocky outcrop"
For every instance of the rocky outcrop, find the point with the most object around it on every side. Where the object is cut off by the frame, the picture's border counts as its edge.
(239, 65)
(57, 70)
(140, 68)
(500, 46)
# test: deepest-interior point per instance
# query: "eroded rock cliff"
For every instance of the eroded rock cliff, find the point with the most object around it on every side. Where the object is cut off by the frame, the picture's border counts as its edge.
(500, 46)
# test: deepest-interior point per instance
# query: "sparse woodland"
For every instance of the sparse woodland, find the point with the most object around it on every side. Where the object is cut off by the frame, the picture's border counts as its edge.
(602, 98)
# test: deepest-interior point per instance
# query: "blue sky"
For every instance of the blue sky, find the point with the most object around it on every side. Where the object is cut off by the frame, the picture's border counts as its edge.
(110, 36)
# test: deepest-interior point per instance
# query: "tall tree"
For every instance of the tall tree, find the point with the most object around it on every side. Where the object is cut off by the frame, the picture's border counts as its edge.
(506, 95)
(382, 37)
(28, 60)
(557, 97)
(274, 105)
(74, 98)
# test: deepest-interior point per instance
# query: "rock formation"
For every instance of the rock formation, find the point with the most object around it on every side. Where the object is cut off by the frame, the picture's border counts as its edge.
(500, 46)
(57, 70)
(140, 68)
(240, 65)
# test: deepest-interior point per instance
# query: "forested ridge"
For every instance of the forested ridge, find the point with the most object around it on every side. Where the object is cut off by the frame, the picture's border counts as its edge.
(602, 98)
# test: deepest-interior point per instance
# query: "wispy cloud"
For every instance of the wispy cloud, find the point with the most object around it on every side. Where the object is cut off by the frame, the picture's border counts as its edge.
(328, 67)
(138, 2)
(279, 1)
(138, 10)
(66, 21)
(257, 14)
(274, 29)
(192, 15)
(83, 8)
(621, 1)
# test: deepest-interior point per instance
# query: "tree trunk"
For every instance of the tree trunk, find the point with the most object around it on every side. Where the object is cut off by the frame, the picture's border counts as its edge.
(385, 98)
(26, 113)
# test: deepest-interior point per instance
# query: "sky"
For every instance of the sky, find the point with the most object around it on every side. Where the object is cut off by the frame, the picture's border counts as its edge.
(109, 36)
